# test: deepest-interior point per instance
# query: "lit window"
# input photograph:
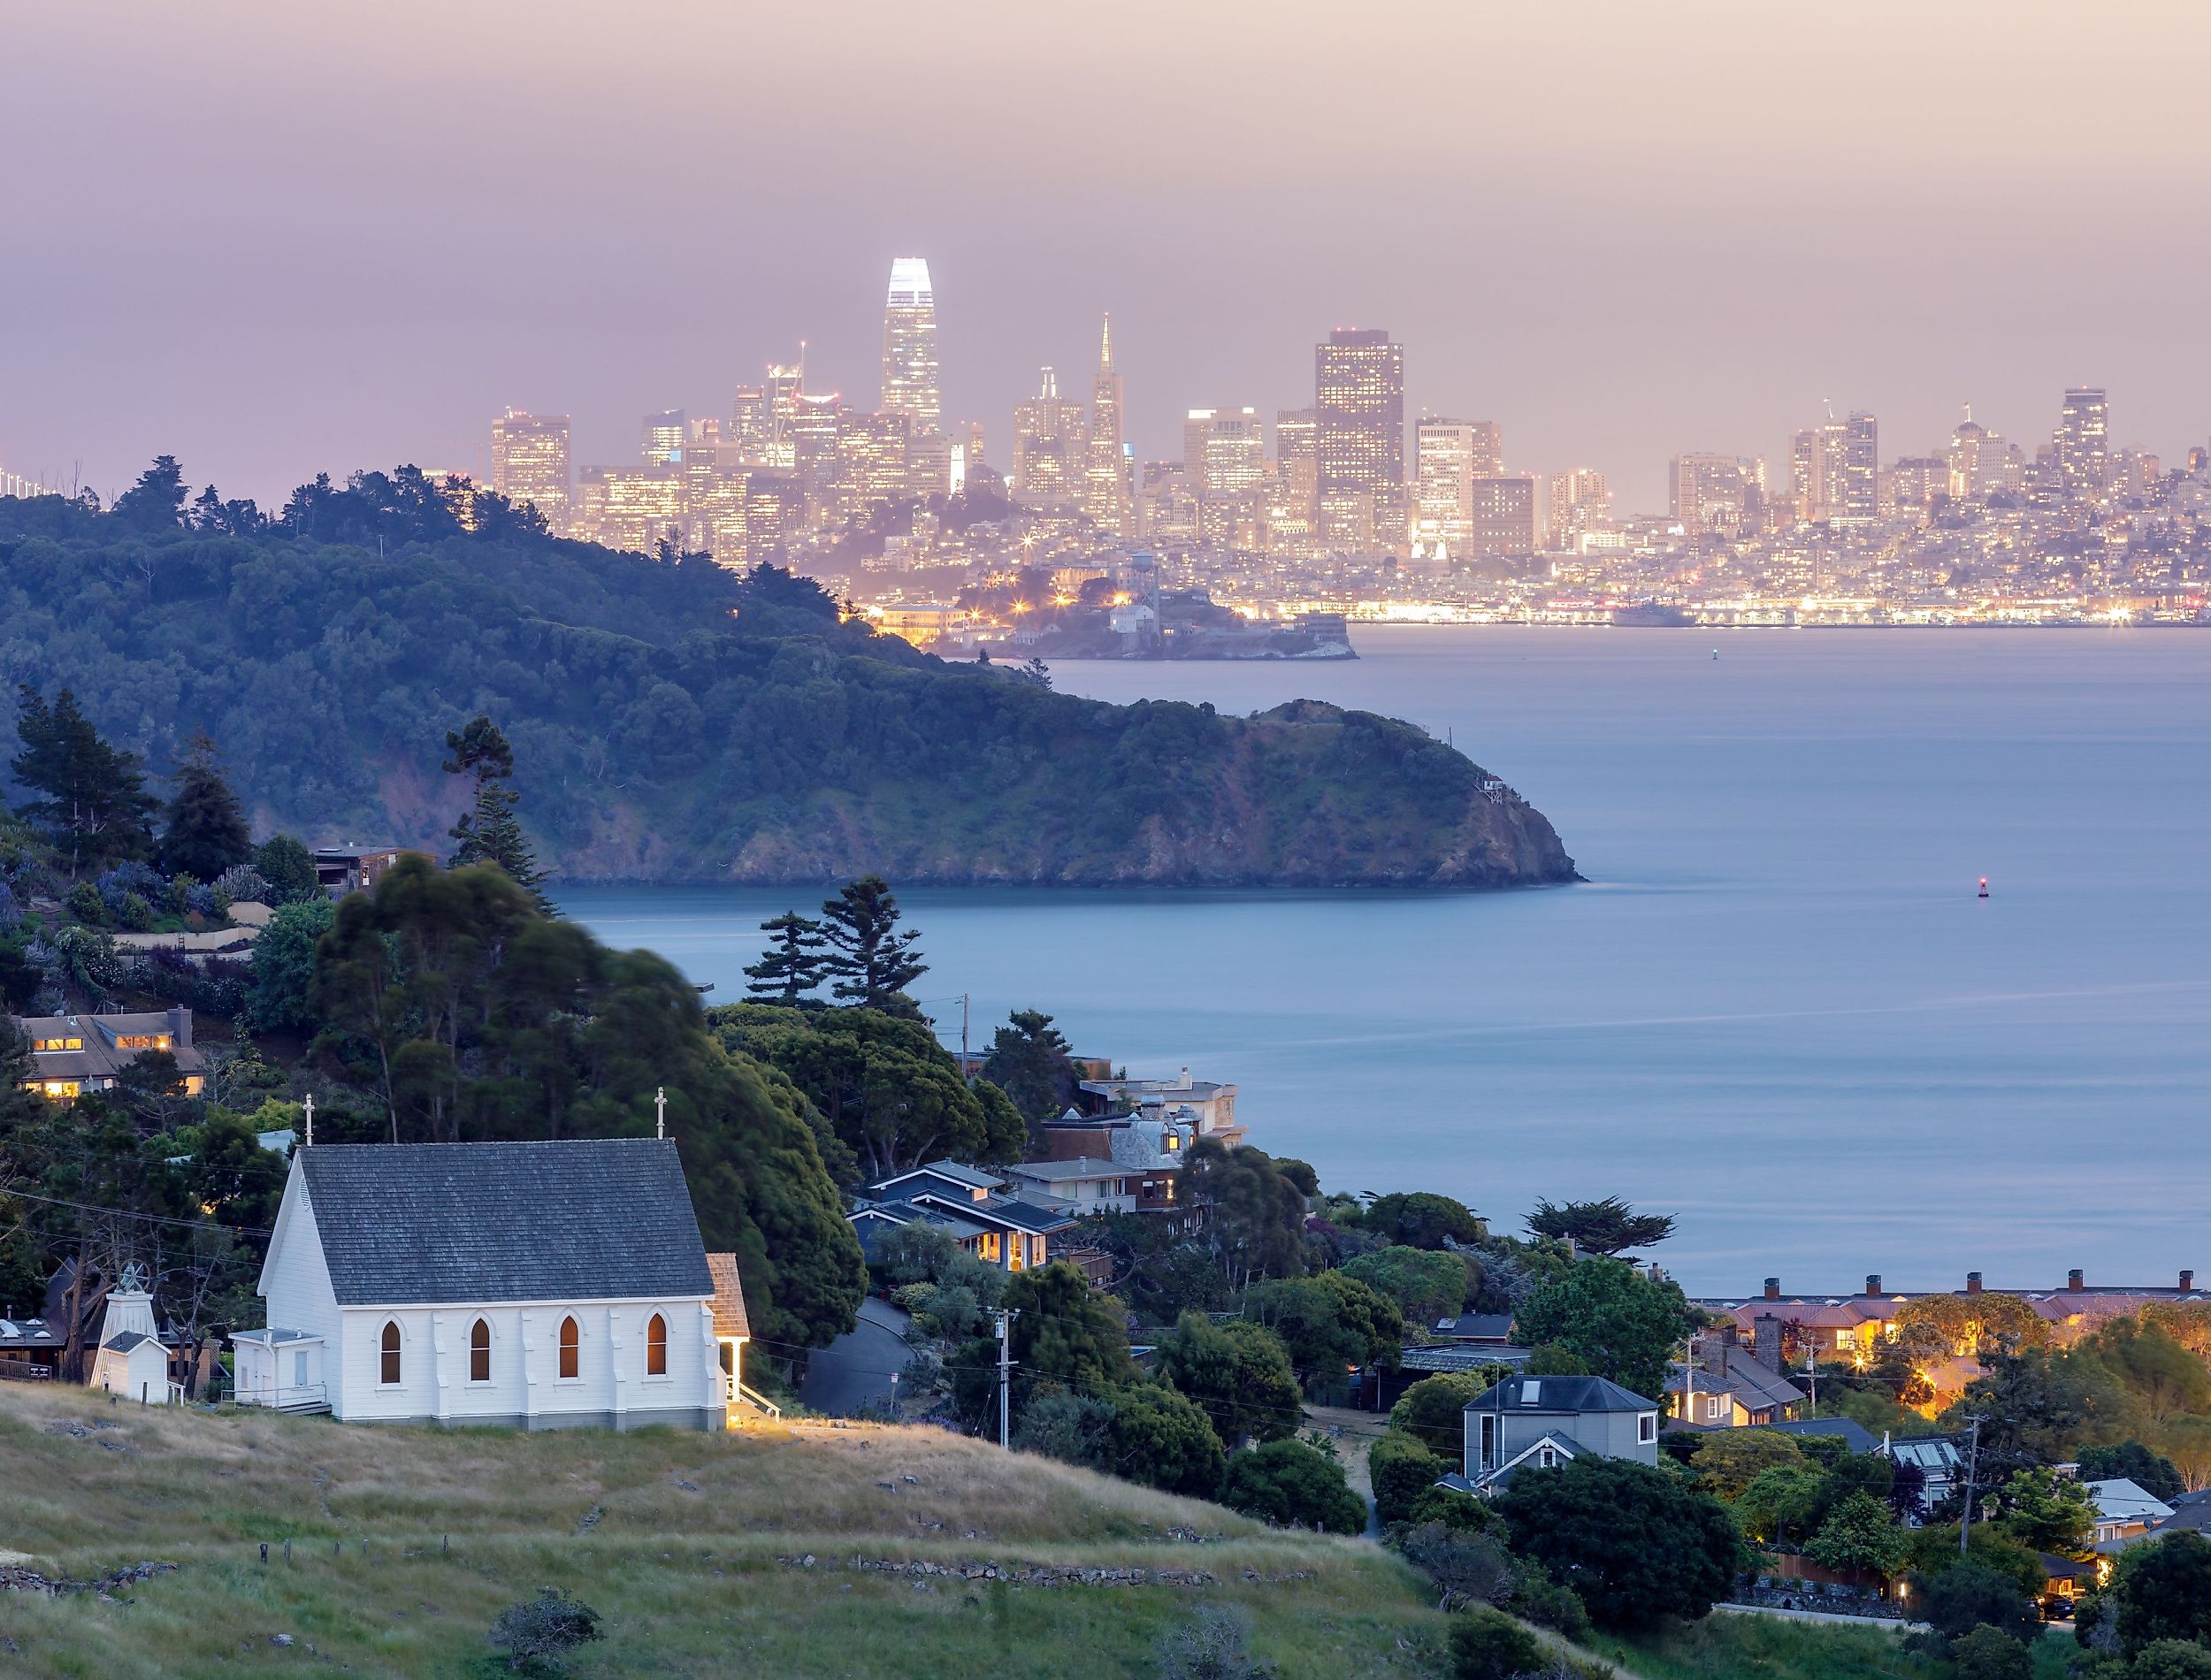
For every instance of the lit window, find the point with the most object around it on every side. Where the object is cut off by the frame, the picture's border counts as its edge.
(657, 1346)
(480, 1351)
(388, 1370)
(571, 1346)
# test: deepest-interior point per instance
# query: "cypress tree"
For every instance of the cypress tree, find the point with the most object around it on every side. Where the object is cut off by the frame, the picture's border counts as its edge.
(204, 830)
(871, 962)
(792, 965)
(96, 808)
(489, 832)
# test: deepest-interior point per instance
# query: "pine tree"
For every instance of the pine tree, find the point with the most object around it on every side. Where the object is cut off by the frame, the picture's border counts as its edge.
(871, 963)
(96, 808)
(489, 832)
(792, 965)
(204, 829)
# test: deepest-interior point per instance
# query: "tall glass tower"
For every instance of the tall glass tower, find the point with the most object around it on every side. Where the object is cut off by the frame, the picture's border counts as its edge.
(909, 347)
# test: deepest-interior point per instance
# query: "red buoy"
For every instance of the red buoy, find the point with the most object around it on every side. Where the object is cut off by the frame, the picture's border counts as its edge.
(1984, 886)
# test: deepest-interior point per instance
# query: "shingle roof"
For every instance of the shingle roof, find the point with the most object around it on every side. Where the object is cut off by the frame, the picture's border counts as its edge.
(729, 1298)
(1559, 1394)
(1851, 1433)
(597, 1219)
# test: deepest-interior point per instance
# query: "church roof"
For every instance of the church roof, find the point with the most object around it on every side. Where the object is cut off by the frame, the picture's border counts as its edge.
(729, 1317)
(585, 1219)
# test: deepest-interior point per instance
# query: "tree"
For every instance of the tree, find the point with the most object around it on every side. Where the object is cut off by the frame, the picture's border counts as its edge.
(489, 832)
(1239, 1371)
(1488, 1645)
(1071, 1428)
(1631, 1541)
(1065, 1331)
(1859, 1535)
(1161, 1440)
(790, 967)
(1426, 1285)
(290, 869)
(1990, 1654)
(1251, 1218)
(1033, 1063)
(1970, 1595)
(2033, 1406)
(2166, 1379)
(1727, 1461)
(535, 1633)
(156, 502)
(1400, 1469)
(1968, 1326)
(2171, 1660)
(1433, 1411)
(1607, 1227)
(1290, 1484)
(1421, 1219)
(284, 957)
(2163, 1592)
(1607, 1312)
(2049, 1512)
(1330, 1324)
(1463, 1557)
(869, 961)
(2131, 1461)
(203, 830)
(96, 809)
(1781, 1504)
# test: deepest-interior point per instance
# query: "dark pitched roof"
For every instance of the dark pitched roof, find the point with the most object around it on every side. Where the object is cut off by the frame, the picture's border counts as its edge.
(598, 1220)
(1559, 1394)
(1851, 1433)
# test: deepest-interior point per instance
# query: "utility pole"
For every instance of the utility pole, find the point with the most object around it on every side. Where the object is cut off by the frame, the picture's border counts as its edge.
(1972, 1465)
(1811, 1369)
(1005, 1378)
(1689, 1385)
(963, 1034)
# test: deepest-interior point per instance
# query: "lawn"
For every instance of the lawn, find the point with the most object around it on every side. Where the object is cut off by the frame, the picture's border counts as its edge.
(406, 1544)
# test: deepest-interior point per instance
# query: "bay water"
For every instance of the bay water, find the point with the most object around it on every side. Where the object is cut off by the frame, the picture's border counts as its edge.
(1778, 1008)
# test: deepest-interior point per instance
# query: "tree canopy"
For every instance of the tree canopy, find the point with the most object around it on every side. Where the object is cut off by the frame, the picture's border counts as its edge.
(1631, 1541)
(1607, 1227)
(1604, 1311)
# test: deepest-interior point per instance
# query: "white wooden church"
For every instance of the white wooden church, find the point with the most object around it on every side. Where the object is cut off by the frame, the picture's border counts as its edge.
(539, 1285)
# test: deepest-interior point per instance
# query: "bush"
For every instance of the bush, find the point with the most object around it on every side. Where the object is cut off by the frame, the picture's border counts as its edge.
(1463, 1567)
(1488, 1645)
(1537, 1598)
(1401, 1470)
(242, 883)
(1454, 1509)
(1972, 1595)
(2171, 1660)
(2163, 1593)
(1433, 1411)
(1071, 1428)
(1161, 1440)
(1287, 1482)
(1210, 1646)
(86, 905)
(1990, 1654)
(1635, 1543)
(536, 1632)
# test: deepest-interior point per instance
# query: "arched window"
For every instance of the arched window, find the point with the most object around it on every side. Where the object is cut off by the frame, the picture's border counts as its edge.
(571, 1346)
(388, 1371)
(480, 1351)
(657, 1346)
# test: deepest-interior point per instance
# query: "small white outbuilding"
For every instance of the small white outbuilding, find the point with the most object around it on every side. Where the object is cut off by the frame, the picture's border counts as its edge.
(539, 1285)
(130, 1360)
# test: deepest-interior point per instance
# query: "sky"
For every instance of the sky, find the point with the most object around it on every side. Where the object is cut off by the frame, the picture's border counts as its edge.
(273, 240)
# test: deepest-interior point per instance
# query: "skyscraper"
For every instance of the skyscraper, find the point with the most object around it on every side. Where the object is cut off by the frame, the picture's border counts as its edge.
(1713, 495)
(665, 435)
(529, 464)
(1836, 470)
(1359, 436)
(1106, 472)
(748, 422)
(1578, 500)
(1051, 457)
(1448, 456)
(2083, 444)
(785, 383)
(1505, 515)
(909, 346)
(1297, 474)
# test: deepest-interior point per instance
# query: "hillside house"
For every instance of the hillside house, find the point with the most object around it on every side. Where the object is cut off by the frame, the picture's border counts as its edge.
(999, 1226)
(72, 1054)
(1206, 1107)
(340, 870)
(1543, 1421)
(1729, 1389)
(2125, 1511)
(537, 1286)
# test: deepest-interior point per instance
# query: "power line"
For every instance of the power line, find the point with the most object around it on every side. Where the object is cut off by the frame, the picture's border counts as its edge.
(130, 1213)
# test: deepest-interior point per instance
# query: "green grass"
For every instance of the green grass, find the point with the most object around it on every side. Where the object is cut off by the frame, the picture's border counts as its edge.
(1728, 1647)
(676, 1539)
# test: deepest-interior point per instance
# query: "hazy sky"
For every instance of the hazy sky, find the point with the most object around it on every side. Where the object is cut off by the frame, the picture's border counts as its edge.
(277, 238)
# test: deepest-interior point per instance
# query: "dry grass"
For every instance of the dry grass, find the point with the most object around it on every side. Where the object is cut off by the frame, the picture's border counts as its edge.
(675, 1538)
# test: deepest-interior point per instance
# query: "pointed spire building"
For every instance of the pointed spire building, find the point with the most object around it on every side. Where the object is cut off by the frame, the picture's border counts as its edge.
(1105, 479)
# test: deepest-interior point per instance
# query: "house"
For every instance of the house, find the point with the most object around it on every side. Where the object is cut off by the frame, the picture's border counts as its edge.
(1936, 1458)
(1208, 1106)
(1146, 1147)
(537, 1286)
(72, 1054)
(1476, 1329)
(1732, 1390)
(2191, 1514)
(1854, 1435)
(1384, 1387)
(972, 1207)
(1542, 1421)
(1086, 1184)
(340, 870)
(2125, 1511)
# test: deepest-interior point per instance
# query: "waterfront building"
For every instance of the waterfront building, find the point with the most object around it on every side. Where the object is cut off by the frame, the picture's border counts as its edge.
(529, 464)
(1106, 471)
(1359, 436)
(909, 347)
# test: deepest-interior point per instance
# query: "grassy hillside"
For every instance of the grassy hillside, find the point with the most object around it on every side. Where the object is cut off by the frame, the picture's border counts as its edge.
(673, 722)
(677, 1540)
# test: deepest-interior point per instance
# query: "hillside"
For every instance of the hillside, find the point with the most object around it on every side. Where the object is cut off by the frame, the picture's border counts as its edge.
(407, 1543)
(672, 721)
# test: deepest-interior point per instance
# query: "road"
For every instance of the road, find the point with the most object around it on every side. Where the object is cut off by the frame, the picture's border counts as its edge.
(855, 1371)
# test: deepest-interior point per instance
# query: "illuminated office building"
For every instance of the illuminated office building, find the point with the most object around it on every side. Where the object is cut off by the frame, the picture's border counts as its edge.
(1105, 468)
(665, 436)
(811, 435)
(1359, 436)
(785, 384)
(630, 509)
(529, 464)
(1835, 469)
(1297, 481)
(909, 347)
(1051, 448)
(871, 467)
(1505, 515)
(1715, 495)
(1448, 456)
(774, 514)
(1578, 502)
(748, 422)
(2084, 445)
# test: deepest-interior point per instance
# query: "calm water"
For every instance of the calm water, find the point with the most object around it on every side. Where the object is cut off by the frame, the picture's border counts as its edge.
(1778, 1009)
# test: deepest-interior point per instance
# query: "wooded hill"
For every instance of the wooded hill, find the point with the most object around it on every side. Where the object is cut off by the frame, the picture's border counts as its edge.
(673, 720)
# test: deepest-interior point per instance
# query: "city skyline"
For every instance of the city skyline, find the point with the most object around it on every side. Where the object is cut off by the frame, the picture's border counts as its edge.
(1512, 205)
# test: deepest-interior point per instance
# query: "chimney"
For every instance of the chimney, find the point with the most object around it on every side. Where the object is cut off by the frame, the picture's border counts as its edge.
(1873, 1283)
(2187, 1281)
(1766, 1330)
(180, 1027)
(2076, 1279)
(1773, 1288)
(1721, 1348)
(1972, 1283)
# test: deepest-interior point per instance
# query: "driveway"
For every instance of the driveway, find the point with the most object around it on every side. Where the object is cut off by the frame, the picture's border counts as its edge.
(854, 1371)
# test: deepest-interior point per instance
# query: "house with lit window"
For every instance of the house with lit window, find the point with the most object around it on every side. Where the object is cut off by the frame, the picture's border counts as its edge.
(999, 1226)
(72, 1054)
(535, 1286)
(1539, 1421)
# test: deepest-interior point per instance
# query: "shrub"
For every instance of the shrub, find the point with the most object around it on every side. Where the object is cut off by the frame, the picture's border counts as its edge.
(535, 1633)
(1463, 1567)
(1210, 1646)
(2163, 1593)
(1401, 1470)
(1990, 1654)
(1537, 1598)
(1972, 1595)
(242, 883)
(86, 905)
(1433, 1411)
(1454, 1509)
(1161, 1440)
(1488, 1645)
(1071, 1428)
(1286, 1483)
(133, 914)
(1635, 1543)
(2171, 1660)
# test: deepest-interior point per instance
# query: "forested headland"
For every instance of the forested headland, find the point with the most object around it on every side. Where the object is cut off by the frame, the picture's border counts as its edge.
(673, 719)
